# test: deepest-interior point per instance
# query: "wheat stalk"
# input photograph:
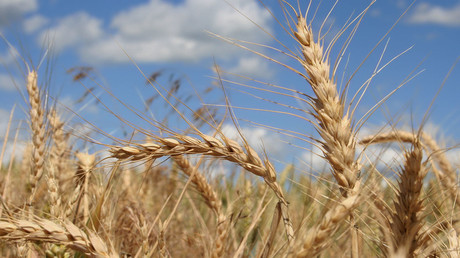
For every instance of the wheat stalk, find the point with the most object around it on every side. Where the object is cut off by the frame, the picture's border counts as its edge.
(180, 145)
(54, 195)
(221, 236)
(454, 242)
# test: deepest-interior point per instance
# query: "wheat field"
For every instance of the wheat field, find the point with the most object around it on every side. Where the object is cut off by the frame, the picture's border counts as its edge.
(155, 193)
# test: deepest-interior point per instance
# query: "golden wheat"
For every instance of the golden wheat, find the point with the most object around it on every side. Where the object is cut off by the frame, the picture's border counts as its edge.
(131, 202)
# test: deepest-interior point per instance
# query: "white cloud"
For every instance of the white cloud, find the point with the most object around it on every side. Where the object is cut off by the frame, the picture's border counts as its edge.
(7, 83)
(258, 138)
(77, 30)
(160, 31)
(253, 66)
(12, 10)
(313, 162)
(383, 156)
(454, 157)
(34, 23)
(427, 13)
(9, 56)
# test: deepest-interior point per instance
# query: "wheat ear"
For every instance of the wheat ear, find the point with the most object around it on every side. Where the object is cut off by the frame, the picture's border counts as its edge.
(37, 124)
(200, 183)
(333, 120)
(60, 149)
(447, 174)
(454, 242)
(48, 231)
(334, 125)
(212, 200)
(54, 195)
(406, 220)
(85, 166)
(226, 149)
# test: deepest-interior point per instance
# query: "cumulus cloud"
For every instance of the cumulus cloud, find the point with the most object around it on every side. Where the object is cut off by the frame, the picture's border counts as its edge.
(9, 56)
(34, 23)
(159, 31)
(258, 138)
(252, 66)
(428, 13)
(312, 162)
(7, 83)
(383, 157)
(77, 30)
(12, 10)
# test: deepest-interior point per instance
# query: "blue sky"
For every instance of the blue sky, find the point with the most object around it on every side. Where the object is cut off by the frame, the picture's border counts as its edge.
(172, 36)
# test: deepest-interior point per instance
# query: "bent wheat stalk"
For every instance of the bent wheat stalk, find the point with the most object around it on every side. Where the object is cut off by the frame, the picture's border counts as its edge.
(226, 149)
